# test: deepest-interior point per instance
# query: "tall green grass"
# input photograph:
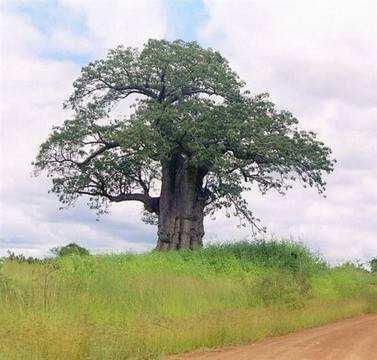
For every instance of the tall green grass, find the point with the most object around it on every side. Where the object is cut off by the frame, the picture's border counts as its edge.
(145, 306)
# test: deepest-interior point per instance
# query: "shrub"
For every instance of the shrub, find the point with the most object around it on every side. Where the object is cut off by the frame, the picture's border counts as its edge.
(373, 265)
(21, 258)
(279, 287)
(70, 249)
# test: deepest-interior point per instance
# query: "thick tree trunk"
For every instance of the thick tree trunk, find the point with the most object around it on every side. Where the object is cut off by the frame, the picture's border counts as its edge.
(181, 211)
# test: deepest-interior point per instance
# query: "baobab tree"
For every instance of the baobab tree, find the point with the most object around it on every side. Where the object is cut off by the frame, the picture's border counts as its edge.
(194, 140)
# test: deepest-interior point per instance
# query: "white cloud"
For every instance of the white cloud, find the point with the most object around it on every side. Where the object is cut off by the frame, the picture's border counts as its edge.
(34, 84)
(67, 41)
(317, 59)
(112, 22)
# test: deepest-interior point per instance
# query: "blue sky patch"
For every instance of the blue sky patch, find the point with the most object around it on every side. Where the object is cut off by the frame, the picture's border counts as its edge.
(185, 19)
(46, 16)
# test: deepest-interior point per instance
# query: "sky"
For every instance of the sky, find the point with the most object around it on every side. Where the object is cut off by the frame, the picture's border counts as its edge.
(316, 59)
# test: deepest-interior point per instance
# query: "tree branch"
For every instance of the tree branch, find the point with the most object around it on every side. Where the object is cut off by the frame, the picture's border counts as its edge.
(161, 95)
(132, 88)
(108, 146)
(190, 91)
(151, 203)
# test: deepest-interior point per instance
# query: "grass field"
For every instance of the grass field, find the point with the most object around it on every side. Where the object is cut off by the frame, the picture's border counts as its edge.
(145, 306)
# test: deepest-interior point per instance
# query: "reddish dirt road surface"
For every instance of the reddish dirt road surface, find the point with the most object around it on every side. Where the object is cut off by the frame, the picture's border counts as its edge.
(352, 339)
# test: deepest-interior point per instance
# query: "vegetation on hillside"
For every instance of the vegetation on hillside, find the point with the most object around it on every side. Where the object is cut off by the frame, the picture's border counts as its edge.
(143, 306)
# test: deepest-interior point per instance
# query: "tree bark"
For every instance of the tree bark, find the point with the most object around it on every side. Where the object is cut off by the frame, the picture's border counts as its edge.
(181, 210)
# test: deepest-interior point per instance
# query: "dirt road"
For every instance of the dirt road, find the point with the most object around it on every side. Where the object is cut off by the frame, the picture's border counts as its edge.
(353, 339)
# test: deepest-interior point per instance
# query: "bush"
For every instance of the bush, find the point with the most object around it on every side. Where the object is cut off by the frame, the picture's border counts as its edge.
(70, 249)
(373, 265)
(21, 258)
(287, 255)
(279, 287)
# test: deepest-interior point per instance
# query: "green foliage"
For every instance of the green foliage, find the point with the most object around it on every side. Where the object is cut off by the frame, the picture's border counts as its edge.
(127, 306)
(279, 288)
(21, 258)
(70, 249)
(373, 265)
(190, 104)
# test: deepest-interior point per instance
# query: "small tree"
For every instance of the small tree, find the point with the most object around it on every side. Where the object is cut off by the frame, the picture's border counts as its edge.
(70, 249)
(373, 265)
(194, 143)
